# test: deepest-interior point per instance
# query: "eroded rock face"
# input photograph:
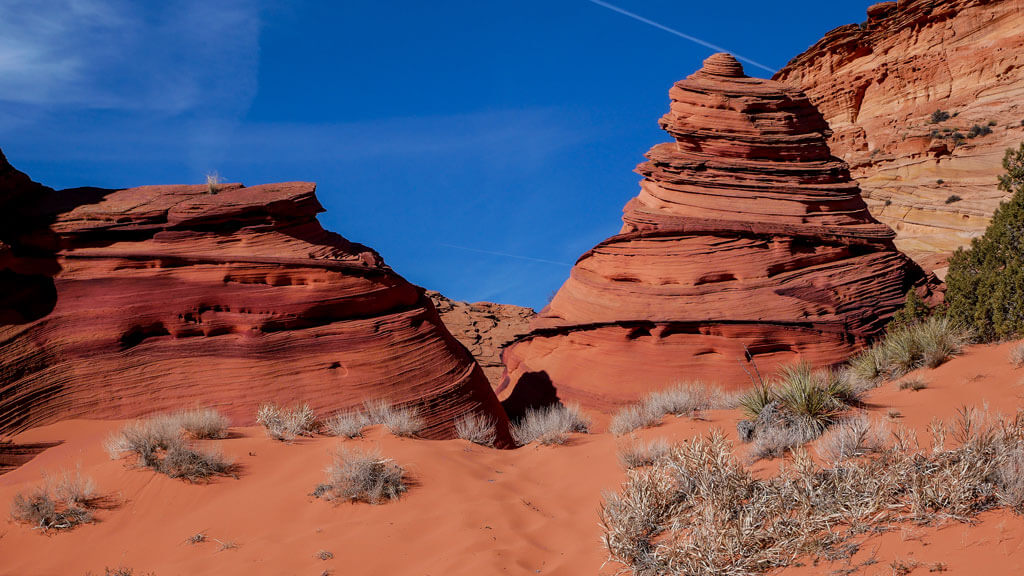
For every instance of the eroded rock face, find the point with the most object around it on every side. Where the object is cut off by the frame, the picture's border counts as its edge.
(747, 237)
(484, 328)
(878, 85)
(165, 297)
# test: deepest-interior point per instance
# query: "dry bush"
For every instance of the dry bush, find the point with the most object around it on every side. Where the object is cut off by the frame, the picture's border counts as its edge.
(363, 477)
(637, 453)
(680, 400)
(698, 510)
(400, 421)
(550, 424)
(915, 384)
(477, 428)
(774, 441)
(1017, 355)
(158, 443)
(204, 423)
(59, 504)
(285, 424)
(347, 424)
(633, 417)
(928, 343)
(852, 437)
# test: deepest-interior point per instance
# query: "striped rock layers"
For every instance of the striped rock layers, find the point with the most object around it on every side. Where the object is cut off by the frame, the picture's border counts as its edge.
(747, 235)
(115, 304)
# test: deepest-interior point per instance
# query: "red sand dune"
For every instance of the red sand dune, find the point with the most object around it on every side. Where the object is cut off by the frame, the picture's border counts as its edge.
(160, 297)
(747, 232)
(473, 510)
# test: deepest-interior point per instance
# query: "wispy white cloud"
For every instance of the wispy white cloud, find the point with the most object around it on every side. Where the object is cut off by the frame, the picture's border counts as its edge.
(169, 57)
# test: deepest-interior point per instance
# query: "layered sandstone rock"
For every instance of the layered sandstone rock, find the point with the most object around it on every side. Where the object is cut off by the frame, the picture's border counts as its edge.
(484, 328)
(747, 236)
(119, 303)
(878, 84)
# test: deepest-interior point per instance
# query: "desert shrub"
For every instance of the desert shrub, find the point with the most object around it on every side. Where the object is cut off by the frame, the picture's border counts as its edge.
(363, 477)
(212, 182)
(204, 423)
(953, 198)
(634, 417)
(773, 441)
(638, 453)
(985, 283)
(286, 424)
(915, 384)
(477, 428)
(914, 310)
(698, 510)
(939, 116)
(852, 437)
(59, 504)
(979, 130)
(550, 424)
(159, 445)
(1017, 355)
(400, 421)
(928, 343)
(347, 424)
(808, 398)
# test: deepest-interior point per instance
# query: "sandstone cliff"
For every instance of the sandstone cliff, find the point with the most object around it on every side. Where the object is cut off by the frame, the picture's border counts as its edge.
(747, 235)
(879, 84)
(118, 303)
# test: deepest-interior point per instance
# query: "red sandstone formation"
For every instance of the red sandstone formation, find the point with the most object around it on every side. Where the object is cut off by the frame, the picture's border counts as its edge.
(484, 328)
(747, 235)
(878, 84)
(116, 304)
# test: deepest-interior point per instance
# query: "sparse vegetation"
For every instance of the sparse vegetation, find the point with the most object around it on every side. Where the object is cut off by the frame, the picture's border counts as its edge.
(212, 182)
(59, 504)
(985, 283)
(347, 424)
(979, 130)
(196, 538)
(359, 476)
(477, 428)
(1017, 355)
(550, 424)
(698, 511)
(158, 443)
(325, 555)
(852, 437)
(204, 423)
(953, 198)
(680, 400)
(940, 181)
(939, 116)
(285, 424)
(638, 453)
(915, 384)
(927, 343)
(400, 421)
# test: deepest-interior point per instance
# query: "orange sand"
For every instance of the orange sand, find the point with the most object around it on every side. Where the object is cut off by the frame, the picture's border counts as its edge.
(473, 510)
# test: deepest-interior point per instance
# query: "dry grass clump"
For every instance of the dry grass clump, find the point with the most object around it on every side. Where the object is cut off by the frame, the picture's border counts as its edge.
(347, 424)
(699, 511)
(400, 421)
(775, 440)
(852, 437)
(57, 504)
(204, 423)
(550, 424)
(159, 445)
(285, 424)
(680, 400)
(477, 428)
(927, 343)
(637, 453)
(1017, 355)
(915, 384)
(359, 476)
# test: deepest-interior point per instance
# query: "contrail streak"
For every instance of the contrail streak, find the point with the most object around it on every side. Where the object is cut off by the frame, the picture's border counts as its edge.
(693, 39)
(493, 253)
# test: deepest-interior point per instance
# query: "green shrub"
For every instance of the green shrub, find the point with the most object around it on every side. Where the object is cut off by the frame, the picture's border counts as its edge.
(952, 198)
(985, 283)
(927, 343)
(939, 116)
(914, 310)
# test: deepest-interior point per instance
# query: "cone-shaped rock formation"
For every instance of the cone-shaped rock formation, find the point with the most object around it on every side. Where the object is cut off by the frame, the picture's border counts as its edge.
(746, 235)
(119, 303)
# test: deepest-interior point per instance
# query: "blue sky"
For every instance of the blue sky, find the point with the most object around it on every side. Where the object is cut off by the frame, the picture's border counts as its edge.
(480, 147)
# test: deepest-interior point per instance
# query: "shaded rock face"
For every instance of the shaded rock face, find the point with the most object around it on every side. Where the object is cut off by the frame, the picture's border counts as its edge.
(165, 297)
(878, 85)
(747, 236)
(484, 328)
